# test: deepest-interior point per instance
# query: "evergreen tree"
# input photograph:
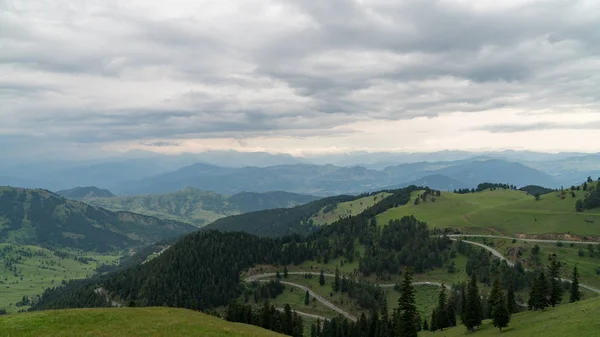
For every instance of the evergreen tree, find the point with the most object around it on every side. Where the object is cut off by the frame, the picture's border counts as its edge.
(511, 302)
(306, 298)
(501, 314)
(472, 313)
(336, 283)
(442, 317)
(278, 275)
(496, 296)
(538, 297)
(433, 325)
(451, 309)
(285, 272)
(575, 292)
(322, 278)
(555, 287)
(407, 311)
(425, 325)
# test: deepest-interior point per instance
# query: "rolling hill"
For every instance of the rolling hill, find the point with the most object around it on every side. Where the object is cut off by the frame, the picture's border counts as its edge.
(82, 193)
(42, 218)
(198, 207)
(503, 211)
(125, 322)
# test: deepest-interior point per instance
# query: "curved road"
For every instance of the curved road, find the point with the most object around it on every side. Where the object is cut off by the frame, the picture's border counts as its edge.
(258, 277)
(497, 254)
(519, 239)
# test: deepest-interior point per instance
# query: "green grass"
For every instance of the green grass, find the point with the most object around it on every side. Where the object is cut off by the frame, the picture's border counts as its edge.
(39, 271)
(295, 298)
(577, 319)
(345, 209)
(501, 212)
(426, 299)
(123, 322)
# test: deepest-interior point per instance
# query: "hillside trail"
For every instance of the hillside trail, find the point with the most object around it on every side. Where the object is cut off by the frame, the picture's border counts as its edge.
(259, 277)
(500, 256)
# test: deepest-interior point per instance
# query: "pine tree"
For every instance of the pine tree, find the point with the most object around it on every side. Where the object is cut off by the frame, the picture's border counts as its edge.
(511, 302)
(306, 298)
(555, 287)
(425, 325)
(336, 283)
(575, 292)
(285, 272)
(538, 297)
(278, 276)
(442, 317)
(501, 314)
(451, 309)
(433, 325)
(407, 310)
(322, 278)
(472, 313)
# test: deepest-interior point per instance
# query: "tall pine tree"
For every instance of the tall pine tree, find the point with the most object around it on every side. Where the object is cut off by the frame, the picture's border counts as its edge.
(538, 297)
(499, 312)
(407, 310)
(575, 292)
(442, 315)
(472, 314)
(322, 278)
(555, 287)
(511, 301)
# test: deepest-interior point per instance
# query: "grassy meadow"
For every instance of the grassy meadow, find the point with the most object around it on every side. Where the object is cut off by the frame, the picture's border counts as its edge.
(349, 208)
(29, 270)
(576, 319)
(501, 212)
(124, 322)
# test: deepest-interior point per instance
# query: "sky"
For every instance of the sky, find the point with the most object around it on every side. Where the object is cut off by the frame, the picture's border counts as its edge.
(91, 77)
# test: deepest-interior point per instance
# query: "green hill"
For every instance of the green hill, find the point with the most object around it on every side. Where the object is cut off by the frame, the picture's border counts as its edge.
(81, 193)
(334, 212)
(200, 207)
(42, 218)
(125, 322)
(503, 211)
(577, 319)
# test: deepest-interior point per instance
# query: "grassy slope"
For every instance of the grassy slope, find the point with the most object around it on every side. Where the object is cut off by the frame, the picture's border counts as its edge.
(578, 319)
(347, 208)
(501, 212)
(124, 322)
(36, 273)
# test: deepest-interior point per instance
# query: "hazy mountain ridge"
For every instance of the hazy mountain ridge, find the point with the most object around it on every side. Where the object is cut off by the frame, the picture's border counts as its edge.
(81, 193)
(40, 217)
(201, 207)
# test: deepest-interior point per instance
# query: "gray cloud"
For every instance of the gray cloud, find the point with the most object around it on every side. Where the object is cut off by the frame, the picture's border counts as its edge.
(512, 128)
(118, 70)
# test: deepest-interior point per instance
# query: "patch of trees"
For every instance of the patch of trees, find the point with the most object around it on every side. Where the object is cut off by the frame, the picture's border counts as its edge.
(283, 321)
(592, 200)
(535, 189)
(404, 242)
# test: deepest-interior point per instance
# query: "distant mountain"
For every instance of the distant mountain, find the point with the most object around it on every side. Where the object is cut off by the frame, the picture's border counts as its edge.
(326, 180)
(438, 182)
(40, 217)
(497, 171)
(199, 207)
(81, 193)
(306, 179)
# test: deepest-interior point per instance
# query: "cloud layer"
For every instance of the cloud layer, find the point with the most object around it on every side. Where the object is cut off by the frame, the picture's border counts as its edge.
(310, 74)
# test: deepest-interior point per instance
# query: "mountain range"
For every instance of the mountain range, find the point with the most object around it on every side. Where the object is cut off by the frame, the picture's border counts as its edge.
(195, 206)
(230, 172)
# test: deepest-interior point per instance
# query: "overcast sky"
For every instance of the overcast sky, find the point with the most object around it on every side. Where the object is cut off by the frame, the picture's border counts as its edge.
(299, 77)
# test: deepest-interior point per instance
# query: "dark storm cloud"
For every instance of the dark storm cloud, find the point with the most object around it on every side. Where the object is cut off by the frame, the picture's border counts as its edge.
(120, 70)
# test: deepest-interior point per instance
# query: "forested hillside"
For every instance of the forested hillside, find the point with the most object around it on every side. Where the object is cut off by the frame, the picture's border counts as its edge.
(82, 193)
(200, 207)
(39, 217)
